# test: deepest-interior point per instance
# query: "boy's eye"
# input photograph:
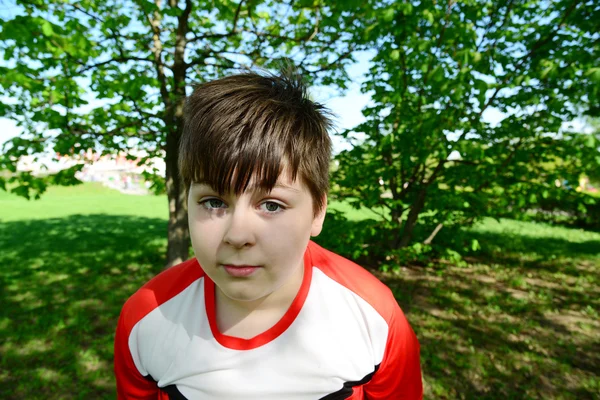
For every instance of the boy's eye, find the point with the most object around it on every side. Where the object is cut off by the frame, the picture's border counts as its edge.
(271, 207)
(213, 204)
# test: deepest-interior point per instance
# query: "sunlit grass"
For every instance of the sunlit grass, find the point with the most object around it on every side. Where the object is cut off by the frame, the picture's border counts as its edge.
(85, 199)
(520, 321)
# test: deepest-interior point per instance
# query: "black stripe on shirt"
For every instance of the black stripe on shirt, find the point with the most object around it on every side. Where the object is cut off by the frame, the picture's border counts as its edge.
(174, 393)
(346, 390)
(171, 390)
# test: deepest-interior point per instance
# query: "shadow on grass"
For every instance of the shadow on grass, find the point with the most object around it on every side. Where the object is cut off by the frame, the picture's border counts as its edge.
(63, 282)
(520, 321)
(482, 338)
(545, 248)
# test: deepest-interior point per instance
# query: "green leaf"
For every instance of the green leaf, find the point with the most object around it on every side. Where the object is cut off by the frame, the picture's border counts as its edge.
(21, 190)
(47, 28)
(265, 15)
(428, 16)
(395, 55)
(405, 8)
(594, 73)
(437, 74)
(546, 71)
(590, 141)
(388, 15)
(482, 87)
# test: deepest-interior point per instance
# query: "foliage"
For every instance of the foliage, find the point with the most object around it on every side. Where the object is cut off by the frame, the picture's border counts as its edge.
(426, 153)
(109, 75)
(353, 238)
(594, 175)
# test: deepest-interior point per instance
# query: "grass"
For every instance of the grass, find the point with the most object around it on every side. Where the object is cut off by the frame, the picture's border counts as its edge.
(86, 199)
(520, 321)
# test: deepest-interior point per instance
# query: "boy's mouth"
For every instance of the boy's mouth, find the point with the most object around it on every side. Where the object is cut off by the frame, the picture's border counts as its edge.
(240, 271)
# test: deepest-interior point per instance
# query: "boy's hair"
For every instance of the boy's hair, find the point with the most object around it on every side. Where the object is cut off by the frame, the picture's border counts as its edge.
(251, 125)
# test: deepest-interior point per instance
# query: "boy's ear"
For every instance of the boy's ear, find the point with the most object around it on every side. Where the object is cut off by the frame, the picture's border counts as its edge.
(317, 224)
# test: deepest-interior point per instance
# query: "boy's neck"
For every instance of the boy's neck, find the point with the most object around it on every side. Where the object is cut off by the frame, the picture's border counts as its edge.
(231, 312)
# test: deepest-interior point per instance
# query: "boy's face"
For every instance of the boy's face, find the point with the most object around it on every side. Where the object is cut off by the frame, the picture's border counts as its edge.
(251, 245)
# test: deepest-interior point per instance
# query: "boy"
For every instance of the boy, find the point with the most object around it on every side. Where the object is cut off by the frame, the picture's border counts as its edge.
(261, 312)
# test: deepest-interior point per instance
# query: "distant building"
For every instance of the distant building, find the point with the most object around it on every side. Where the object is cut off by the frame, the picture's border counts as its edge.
(112, 170)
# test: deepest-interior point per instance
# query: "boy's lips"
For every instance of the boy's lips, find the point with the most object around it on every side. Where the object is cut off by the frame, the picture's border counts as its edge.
(240, 270)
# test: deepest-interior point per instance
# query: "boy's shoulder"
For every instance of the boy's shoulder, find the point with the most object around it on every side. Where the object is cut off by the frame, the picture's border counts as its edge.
(160, 289)
(354, 278)
(342, 271)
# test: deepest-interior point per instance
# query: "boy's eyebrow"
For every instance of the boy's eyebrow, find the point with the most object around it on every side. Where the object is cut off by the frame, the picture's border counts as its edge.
(251, 187)
(277, 186)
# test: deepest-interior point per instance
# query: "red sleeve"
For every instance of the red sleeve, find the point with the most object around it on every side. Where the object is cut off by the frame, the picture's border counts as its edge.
(399, 374)
(130, 383)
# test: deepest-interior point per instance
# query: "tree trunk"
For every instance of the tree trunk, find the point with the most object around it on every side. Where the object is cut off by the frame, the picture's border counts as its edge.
(411, 220)
(178, 245)
(178, 231)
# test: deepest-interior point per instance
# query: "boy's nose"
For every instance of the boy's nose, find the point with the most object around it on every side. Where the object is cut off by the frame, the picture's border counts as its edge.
(239, 233)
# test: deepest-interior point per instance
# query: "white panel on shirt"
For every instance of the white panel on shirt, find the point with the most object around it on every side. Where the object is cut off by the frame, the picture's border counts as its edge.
(337, 337)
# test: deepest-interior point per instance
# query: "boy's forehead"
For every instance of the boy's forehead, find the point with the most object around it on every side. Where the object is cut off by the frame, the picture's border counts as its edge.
(284, 181)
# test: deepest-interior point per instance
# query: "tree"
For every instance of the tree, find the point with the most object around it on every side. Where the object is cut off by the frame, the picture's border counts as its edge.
(427, 157)
(140, 58)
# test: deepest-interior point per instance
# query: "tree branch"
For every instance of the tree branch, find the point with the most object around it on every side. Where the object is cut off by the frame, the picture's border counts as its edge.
(434, 233)
(491, 23)
(332, 65)
(232, 32)
(113, 35)
(113, 60)
(502, 166)
(436, 171)
(462, 162)
(143, 114)
(382, 215)
(179, 64)
(307, 38)
(157, 51)
(407, 186)
(227, 63)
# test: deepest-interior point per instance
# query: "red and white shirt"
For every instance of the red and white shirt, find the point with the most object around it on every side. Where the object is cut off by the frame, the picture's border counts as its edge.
(343, 337)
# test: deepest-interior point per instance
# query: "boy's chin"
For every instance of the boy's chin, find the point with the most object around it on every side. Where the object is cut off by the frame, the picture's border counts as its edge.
(244, 295)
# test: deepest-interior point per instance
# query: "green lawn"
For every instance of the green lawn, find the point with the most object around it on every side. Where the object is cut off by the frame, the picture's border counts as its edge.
(520, 321)
(85, 199)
